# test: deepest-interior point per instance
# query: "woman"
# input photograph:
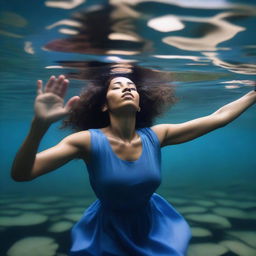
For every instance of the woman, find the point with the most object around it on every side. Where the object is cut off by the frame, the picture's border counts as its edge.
(123, 160)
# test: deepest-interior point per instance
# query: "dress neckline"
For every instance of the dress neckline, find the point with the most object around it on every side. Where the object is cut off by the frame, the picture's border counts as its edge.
(116, 156)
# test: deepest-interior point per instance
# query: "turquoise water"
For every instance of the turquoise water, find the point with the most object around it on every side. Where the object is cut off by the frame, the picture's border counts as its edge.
(208, 51)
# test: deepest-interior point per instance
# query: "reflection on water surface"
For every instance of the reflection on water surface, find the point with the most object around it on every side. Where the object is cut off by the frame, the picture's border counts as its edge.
(206, 49)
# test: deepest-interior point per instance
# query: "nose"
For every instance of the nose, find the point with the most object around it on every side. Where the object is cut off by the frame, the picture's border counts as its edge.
(127, 89)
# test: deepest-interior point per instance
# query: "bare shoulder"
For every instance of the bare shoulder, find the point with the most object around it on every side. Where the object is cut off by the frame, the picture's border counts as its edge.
(81, 140)
(78, 138)
(160, 130)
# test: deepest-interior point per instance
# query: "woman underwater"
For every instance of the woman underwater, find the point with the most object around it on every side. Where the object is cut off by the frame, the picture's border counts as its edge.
(122, 150)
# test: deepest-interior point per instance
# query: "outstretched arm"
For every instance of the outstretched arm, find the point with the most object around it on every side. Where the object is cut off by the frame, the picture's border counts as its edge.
(49, 108)
(170, 134)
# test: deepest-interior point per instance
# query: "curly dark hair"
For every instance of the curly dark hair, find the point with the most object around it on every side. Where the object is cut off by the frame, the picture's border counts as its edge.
(156, 94)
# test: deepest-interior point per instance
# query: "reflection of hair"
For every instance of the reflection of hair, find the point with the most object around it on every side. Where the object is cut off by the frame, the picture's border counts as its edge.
(95, 28)
(156, 94)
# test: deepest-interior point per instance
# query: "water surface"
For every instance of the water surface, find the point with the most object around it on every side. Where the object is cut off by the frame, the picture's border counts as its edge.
(206, 48)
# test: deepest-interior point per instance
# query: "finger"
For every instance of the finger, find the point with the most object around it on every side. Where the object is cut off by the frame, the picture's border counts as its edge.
(60, 80)
(50, 83)
(57, 86)
(63, 88)
(71, 103)
(39, 87)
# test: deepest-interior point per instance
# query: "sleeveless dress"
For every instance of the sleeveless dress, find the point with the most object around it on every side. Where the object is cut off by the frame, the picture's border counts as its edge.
(128, 218)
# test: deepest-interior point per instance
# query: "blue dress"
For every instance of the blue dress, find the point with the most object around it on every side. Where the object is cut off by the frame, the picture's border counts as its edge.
(128, 218)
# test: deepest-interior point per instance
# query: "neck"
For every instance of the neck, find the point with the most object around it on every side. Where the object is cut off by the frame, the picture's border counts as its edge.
(122, 126)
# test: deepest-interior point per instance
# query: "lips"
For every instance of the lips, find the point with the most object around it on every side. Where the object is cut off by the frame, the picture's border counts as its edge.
(127, 94)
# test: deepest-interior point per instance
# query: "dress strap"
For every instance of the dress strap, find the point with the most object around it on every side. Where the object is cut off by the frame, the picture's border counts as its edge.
(95, 144)
(151, 135)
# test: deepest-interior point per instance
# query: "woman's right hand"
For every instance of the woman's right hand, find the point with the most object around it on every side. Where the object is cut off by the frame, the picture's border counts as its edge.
(49, 103)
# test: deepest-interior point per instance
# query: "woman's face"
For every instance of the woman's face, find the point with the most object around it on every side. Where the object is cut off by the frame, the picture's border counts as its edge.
(122, 95)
